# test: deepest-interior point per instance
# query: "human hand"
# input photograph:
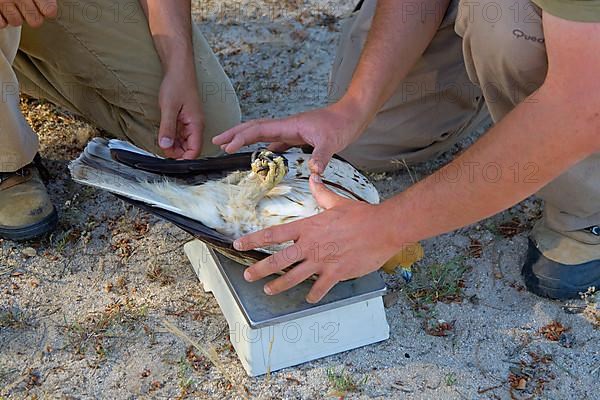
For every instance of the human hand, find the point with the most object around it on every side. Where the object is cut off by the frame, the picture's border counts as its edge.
(33, 12)
(346, 241)
(328, 130)
(181, 119)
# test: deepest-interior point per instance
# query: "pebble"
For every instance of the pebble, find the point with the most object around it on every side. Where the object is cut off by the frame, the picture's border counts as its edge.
(29, 252)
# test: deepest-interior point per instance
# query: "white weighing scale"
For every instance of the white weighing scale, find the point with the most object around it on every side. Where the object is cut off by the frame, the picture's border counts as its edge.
(269, 333)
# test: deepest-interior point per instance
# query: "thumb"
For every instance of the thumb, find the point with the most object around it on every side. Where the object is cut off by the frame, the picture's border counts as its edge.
(325, 198)
(168, 128)
(319, 160)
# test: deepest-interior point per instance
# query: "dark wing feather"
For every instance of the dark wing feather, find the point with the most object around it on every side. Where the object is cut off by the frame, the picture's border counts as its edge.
(183, 168)
(200, 231)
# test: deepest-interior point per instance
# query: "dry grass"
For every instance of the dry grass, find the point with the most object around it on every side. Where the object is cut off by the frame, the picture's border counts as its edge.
(592, 306)
(211, 354)
(157, 274)
(13, 317)
(95, 330)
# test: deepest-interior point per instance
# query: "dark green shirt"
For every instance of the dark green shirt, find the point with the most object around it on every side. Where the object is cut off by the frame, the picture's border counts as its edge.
(574, 10)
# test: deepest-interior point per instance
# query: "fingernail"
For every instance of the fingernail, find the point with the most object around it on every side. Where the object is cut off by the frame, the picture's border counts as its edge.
(237, 244)
(316, 178)
(310, 300)
(268, 290)
(247, 276)
(316, 166)
(165, 143)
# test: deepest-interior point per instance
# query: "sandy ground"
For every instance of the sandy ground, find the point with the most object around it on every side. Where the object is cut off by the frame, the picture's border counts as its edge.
(81, 310)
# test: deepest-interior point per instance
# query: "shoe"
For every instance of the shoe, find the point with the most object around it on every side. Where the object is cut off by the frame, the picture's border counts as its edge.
(561, 266)
(25, 208)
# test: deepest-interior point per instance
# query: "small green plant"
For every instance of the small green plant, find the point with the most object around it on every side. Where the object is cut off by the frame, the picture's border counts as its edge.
(438, 282)
(342, 382)
(450, 379)
(184, 374)
(61, 240)
(432, 284)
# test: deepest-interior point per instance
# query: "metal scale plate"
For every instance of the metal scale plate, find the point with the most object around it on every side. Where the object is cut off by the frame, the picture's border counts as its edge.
(261, 310)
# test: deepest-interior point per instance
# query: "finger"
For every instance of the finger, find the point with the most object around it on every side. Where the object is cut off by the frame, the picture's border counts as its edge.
(193, 145)
(12, 14)
(179, 145)
(178, 148)
(189, 134)
(319, 160)
(168, 128)
(3, 22)
(320, 288)
(279, 147)
(268, 131)
(274, 263)
(293, 277)
(30, 13)
(228, 135)
(268, 236)
(325, 198)
(48, 8)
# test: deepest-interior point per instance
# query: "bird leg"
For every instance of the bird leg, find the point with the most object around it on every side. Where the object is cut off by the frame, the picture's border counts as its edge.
(243, 195)
(269, 167)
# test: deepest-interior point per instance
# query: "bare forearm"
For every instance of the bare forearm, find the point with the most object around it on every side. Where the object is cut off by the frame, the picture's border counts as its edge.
(535, 143)
(171, 28)
(400, 32)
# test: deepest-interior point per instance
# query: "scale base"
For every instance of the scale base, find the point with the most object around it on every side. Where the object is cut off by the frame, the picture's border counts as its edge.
(270, 347)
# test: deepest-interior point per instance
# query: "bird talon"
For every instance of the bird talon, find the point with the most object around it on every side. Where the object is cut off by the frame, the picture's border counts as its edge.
(271, 168)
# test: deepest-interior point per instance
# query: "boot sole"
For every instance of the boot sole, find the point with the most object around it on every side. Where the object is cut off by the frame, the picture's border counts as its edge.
(31, 231)
(550, 279)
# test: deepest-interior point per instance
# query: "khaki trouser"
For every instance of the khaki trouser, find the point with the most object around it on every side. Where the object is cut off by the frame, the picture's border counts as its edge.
(98, 60)
(489, 47)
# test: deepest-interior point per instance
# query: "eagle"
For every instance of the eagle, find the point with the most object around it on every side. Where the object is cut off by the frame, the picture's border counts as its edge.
(219, 199)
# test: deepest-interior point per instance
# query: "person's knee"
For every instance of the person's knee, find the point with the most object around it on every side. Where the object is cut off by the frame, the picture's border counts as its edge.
(504, 49)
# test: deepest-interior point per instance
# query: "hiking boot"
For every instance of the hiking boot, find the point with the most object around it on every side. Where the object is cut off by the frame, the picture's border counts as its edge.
(562, 265)
(25, 208)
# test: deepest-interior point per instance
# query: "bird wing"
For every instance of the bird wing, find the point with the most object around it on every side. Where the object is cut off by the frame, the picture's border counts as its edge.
(339, 175)
(193, 194)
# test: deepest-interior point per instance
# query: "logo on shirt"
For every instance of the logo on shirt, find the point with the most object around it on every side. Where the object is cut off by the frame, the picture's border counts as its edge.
(519, 34)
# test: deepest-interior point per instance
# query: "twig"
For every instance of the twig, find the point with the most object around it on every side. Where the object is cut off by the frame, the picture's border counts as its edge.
(460, 394)
(482, 391)
(269, 358)
(209, 353)
(412, 179)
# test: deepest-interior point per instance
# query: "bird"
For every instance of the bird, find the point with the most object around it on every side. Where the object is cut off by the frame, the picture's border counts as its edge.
(220, 199)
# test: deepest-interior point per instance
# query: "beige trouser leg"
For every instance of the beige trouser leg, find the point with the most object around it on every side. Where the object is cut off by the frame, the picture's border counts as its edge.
(431, 109)
(505, 55)
(98, 60)
(18, 143)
